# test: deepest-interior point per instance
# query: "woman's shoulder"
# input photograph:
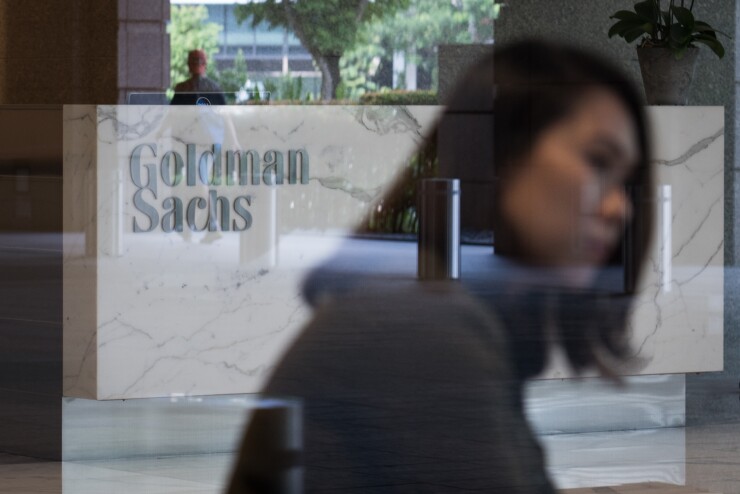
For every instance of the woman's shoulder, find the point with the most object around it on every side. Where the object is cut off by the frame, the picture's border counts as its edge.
(422, 310)
(384, 341)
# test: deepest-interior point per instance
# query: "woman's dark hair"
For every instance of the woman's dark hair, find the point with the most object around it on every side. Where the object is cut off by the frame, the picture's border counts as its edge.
(525, 88)
(532, 85)
(529, 86)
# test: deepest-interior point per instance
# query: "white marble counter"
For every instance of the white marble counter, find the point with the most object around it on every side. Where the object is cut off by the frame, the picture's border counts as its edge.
(197, 312)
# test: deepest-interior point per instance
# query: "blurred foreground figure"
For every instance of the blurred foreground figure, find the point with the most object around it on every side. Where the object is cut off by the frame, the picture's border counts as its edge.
(412, 387)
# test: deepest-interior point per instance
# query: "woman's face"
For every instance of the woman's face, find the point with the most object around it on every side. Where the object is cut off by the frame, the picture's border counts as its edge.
(566, 202)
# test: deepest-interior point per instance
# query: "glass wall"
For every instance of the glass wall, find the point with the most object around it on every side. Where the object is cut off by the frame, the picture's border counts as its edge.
(365, 246)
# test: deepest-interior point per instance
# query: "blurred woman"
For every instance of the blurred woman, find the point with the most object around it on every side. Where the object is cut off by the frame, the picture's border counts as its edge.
(412, 386)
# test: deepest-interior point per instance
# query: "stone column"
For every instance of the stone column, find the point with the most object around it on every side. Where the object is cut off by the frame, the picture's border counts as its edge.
(143, 47)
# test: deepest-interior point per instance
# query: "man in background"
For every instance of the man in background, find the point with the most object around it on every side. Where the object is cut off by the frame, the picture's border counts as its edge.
(199, 89)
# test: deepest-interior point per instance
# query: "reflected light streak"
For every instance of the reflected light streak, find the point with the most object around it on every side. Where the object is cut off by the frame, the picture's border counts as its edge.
(665, 196)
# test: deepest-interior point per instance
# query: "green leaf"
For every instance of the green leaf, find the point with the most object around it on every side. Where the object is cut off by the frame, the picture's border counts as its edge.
(680, 34)
(703, 27)
(626, 15)
(684, 16)
(712, 43)
(706, 31)
(620, 27)
(635, 33)
(647, 10)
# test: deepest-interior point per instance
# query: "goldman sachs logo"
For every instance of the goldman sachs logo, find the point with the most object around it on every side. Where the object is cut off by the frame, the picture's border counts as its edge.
(205, 192)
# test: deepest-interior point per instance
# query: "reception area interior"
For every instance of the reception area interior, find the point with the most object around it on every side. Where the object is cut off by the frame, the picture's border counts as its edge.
(165, 269)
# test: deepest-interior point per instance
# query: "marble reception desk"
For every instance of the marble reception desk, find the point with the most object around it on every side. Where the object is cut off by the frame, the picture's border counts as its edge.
(197, 291)
(151, 313)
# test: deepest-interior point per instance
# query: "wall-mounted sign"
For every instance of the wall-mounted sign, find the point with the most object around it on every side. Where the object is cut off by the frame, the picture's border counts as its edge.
(214, 176)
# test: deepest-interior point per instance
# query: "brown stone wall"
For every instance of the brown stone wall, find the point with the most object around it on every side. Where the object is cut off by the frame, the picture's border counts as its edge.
(81, 51)
(143, 46)
(58, 51)
(55, 52)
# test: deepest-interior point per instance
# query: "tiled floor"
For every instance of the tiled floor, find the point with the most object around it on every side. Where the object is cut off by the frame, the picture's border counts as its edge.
(707, 457)
(713, 458)
(204, 474)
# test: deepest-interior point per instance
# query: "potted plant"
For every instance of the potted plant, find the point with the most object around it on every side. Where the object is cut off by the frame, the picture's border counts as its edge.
(668, 46)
